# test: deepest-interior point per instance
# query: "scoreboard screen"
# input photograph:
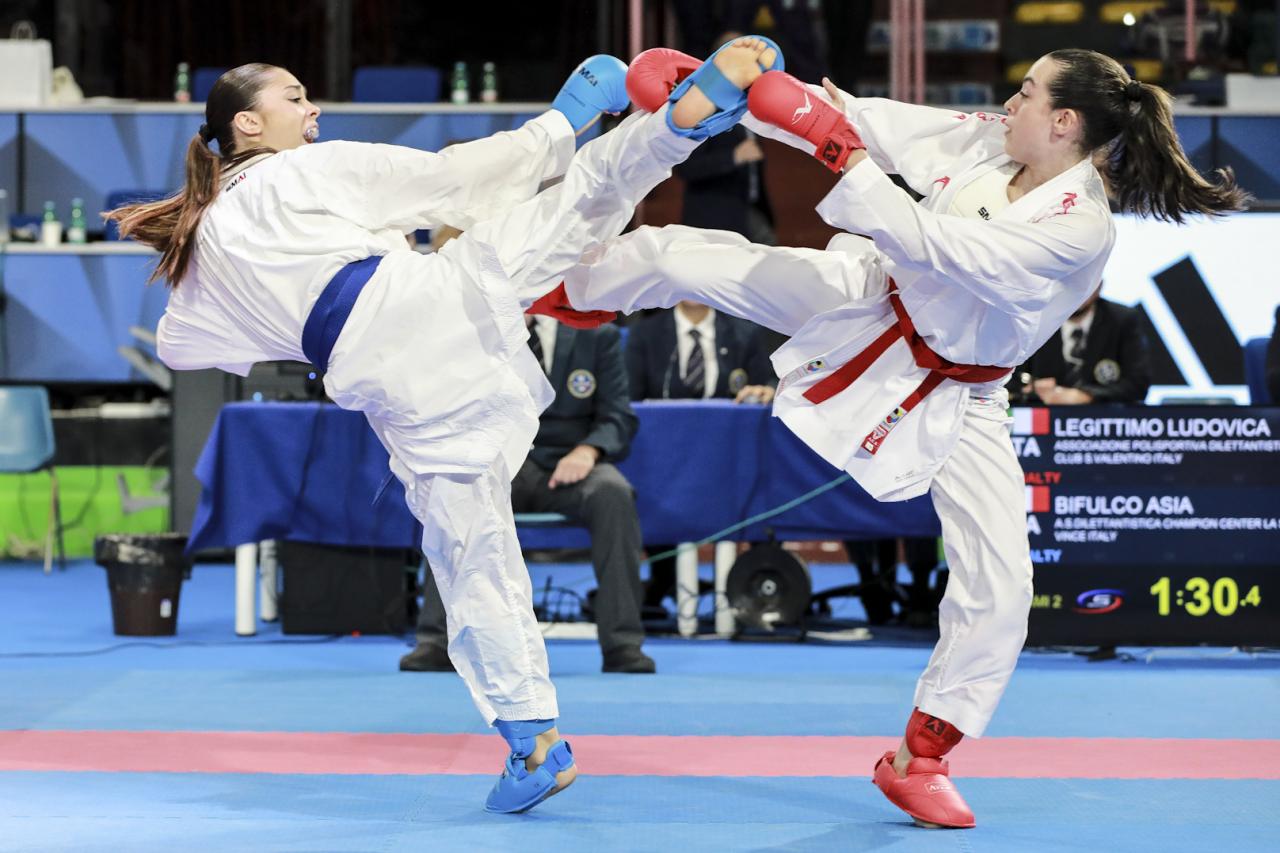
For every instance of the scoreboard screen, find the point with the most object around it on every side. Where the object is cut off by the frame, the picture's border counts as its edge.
(1152, 525)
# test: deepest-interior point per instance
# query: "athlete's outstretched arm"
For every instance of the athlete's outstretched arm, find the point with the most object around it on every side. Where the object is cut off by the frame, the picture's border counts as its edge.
(919, 143)
(1010, 265)
(391, 186)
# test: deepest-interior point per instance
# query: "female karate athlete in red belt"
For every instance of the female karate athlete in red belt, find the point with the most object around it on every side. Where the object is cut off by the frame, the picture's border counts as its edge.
(901, 339)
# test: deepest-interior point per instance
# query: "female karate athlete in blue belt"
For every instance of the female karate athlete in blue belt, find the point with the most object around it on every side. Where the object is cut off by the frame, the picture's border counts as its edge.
(281, 248)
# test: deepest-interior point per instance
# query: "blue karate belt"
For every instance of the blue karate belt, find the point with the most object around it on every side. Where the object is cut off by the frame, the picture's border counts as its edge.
(327, 318)
(332, 309)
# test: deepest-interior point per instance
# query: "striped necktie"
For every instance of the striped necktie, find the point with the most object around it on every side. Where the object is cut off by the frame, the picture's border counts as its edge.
(1075, 359)
(695, 371)
(535, 344)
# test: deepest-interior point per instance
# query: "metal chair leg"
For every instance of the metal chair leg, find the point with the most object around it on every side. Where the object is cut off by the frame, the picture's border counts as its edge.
(57, 515)
(51, 526)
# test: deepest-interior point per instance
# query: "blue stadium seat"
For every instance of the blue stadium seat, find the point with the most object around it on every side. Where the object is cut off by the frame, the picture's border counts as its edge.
(1255, 371)
(202, 81)
(398, 84)
(115, 198)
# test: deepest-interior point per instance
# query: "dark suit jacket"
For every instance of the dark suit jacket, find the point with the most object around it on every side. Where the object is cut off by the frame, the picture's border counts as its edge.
(1117, 367)
(716, 189)
(1273, 362)
(653, 362)
(591, 405)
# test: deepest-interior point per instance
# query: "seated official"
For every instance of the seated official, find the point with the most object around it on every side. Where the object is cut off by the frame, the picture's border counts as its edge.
(570, 471)
(877, 563)
(693, 351)
(1100, 355)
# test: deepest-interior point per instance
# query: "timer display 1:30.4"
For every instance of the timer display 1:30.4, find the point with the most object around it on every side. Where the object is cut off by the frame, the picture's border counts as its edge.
(1200, 596)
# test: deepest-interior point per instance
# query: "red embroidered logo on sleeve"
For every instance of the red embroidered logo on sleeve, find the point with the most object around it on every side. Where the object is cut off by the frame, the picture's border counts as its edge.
(1064, 206)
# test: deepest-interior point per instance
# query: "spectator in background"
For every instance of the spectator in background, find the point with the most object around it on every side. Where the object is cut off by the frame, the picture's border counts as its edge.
(724, 189)
(694, 352)
(794, 27)
(1273, 363)
(1100, 355)
(570, 471)
(1252, 42)
(846, 25)
(724, 182)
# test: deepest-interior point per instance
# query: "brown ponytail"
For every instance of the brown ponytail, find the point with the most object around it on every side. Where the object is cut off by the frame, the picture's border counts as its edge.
(169, 225)
(1146, 170)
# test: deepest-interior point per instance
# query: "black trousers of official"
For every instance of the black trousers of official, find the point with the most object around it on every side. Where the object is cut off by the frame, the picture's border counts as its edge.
(877, 562)
(605, 504)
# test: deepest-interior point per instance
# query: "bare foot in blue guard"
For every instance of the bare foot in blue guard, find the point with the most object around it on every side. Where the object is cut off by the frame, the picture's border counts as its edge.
(739, 64)
(540, 766)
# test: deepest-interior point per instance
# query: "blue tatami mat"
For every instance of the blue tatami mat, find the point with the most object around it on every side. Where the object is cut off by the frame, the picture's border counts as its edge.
(62, 669)
(131, 811)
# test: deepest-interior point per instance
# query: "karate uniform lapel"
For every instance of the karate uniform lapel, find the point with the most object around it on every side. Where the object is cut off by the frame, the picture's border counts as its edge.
(228, 174)
(1034, 202)
(941, 203)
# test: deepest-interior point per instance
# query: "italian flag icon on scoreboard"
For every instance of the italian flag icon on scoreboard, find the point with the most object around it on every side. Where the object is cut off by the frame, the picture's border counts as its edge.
(1028, 421)
(1037, 498)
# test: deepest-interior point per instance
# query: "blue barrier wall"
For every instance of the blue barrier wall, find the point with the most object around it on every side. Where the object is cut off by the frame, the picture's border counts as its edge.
(66, 312)
(9, 157)
(90, 154)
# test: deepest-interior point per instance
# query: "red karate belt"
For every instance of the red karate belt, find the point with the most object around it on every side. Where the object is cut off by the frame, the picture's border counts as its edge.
(939, 369)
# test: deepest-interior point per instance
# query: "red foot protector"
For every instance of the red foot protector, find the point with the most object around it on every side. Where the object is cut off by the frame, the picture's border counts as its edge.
(926, 793)
(781, 100)
(654, 73)
(556, 304)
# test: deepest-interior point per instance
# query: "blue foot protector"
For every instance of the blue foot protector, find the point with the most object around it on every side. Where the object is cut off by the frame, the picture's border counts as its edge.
(518, 789)
(730, 101)
(598, 85)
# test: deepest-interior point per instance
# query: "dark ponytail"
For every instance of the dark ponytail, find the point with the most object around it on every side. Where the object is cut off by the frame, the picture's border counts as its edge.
(169, 225)
(1145, 168)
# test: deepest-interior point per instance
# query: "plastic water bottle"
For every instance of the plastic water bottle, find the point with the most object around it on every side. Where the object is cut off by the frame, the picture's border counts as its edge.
(182, 84)
(489, 83)
(77, 231)
(461, 84)
(50, 227)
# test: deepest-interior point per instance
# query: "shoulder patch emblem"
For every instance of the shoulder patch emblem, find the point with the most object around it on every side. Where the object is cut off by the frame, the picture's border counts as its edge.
(1107, 371)
(581, 384)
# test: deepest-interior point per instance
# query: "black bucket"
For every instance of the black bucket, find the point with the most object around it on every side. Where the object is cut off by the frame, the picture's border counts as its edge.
(144, 573)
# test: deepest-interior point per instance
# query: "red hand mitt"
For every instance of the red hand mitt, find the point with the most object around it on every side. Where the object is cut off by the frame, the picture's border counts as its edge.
(781, 100)
(653, 74)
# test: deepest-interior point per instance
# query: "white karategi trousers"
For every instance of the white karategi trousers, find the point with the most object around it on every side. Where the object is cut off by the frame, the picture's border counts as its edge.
(978, 492)
(456, 404)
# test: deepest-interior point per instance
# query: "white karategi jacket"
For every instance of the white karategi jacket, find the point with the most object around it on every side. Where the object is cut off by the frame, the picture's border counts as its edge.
(445, 396)
(979, 292)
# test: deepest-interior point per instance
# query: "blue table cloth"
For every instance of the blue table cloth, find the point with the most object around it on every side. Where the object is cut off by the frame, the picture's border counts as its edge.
(310, 472)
